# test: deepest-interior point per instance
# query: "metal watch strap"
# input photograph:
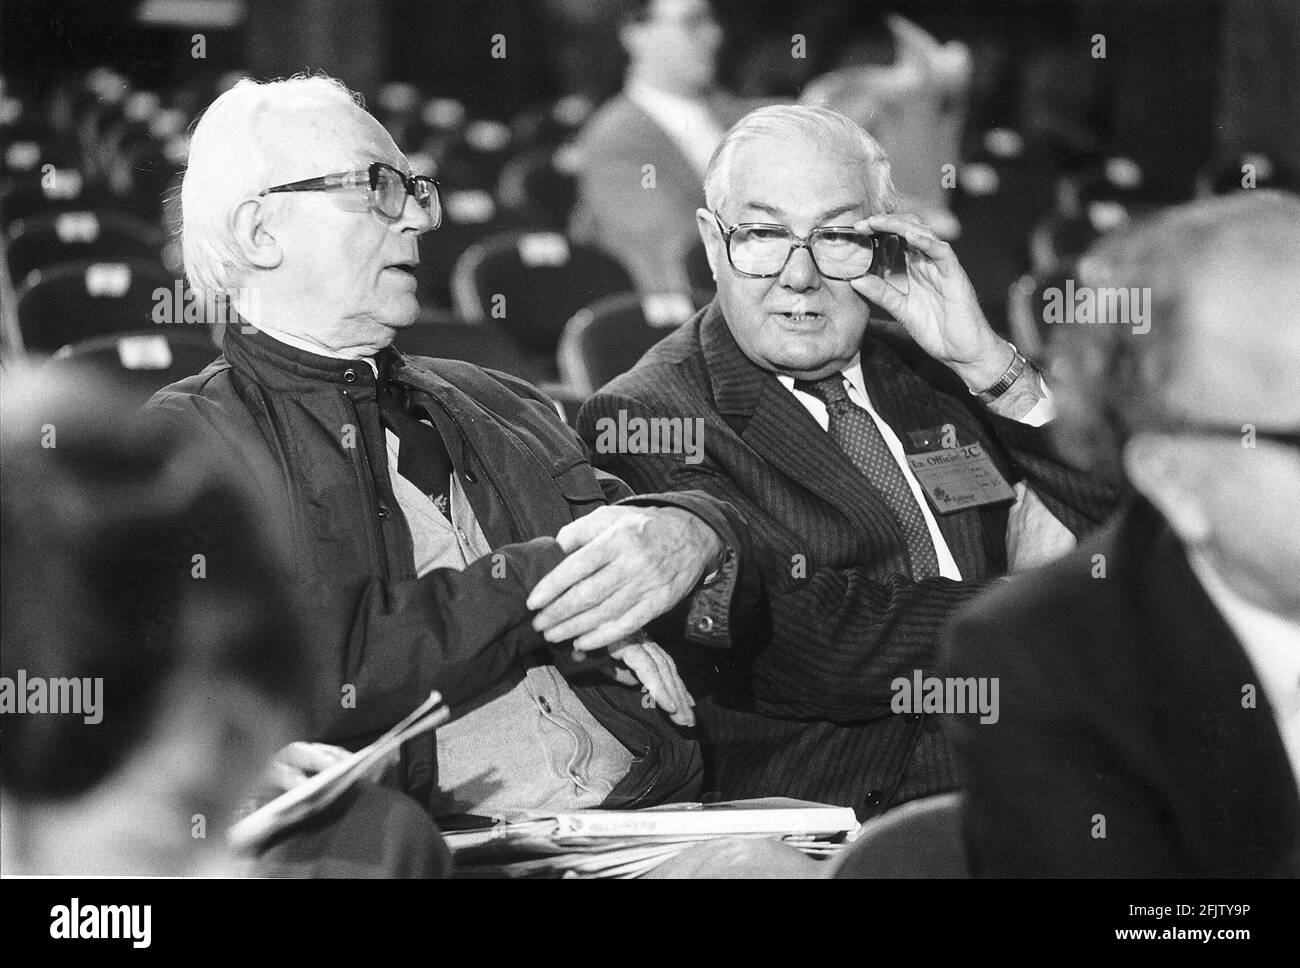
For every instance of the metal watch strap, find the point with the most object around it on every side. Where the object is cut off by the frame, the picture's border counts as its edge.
(1017, 367)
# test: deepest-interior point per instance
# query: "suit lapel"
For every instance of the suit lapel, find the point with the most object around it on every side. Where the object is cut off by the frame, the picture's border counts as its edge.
(673, 166)
(771, 421)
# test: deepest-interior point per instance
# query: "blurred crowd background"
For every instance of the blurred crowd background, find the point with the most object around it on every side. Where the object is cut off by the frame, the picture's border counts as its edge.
(1056, 144)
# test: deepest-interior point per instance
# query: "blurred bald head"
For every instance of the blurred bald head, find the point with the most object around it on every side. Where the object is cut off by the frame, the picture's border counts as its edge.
(1186, 407)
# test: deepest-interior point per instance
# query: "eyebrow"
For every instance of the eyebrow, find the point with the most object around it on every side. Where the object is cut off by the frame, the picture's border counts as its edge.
(820, 219)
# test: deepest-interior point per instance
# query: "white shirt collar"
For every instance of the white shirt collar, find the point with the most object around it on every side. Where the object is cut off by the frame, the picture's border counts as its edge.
(687, 121)
(1272, 642)
(853, 373)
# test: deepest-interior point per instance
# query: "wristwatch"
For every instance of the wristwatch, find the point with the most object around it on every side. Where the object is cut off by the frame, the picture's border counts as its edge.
(1018, 364)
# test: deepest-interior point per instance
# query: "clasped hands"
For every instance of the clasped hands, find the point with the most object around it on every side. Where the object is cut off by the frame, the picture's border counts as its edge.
(625, 567)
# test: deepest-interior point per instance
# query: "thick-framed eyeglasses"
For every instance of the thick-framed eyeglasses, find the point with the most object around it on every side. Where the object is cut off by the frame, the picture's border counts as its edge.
(386, 187)
(761, 250)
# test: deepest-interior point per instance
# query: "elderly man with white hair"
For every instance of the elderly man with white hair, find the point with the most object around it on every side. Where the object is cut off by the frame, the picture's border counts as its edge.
(889, 472)
(455, 536)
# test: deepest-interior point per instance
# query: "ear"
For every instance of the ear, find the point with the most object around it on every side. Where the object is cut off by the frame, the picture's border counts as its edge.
(1159, 468)
(252, 235)
(712, 239)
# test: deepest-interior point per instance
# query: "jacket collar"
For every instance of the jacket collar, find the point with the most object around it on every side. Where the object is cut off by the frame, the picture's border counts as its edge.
(281, 367)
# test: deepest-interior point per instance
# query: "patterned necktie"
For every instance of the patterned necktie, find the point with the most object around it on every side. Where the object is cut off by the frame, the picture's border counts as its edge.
(852, 428)
(422, 456)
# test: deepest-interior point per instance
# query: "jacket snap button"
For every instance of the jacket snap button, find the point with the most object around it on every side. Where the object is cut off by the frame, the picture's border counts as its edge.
(349, 376)
(705, 624)
(383, 511)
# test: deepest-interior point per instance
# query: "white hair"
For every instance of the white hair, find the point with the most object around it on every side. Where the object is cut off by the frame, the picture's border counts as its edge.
(818, 126)
(228, 164)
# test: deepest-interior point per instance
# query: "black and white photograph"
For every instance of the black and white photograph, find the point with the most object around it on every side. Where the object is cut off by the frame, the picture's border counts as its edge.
(651, 439)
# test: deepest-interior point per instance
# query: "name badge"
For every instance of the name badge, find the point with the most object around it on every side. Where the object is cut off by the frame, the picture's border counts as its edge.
(958, 476)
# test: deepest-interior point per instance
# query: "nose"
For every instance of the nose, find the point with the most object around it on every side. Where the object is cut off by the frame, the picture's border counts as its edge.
(800, 273)
(415, 218)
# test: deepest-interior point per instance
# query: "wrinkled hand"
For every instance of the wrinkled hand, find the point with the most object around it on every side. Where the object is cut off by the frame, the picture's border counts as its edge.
(626, 566)
(939, 309)
(648, 664)
(296, 762)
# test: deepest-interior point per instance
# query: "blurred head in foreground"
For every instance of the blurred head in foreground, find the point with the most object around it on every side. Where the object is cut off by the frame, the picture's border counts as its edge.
(148, 647)
(1198, 404)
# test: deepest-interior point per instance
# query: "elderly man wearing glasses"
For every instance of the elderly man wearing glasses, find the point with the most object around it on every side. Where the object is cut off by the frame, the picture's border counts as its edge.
(455, 536)
(1157, 669)
(889, 472)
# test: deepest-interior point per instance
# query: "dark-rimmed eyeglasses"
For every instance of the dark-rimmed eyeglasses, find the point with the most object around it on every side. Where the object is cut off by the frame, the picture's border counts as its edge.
(386, 189)
(761, 250)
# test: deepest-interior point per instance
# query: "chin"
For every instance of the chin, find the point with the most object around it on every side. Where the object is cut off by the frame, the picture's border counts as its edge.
(401, 316)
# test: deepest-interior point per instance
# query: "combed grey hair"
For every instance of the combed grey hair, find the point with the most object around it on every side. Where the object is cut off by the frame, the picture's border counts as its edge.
(1113, 381)
(228, 164)
(816, 126)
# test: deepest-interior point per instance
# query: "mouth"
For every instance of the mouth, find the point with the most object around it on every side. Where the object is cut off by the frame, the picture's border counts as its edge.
(406, 268)
(800, 315)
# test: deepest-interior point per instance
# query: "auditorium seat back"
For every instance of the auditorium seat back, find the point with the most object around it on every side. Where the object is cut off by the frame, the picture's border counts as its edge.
(531, 283)
(468, 217)
(138, 363)
(54, 190)
(542, 184)
(75, 301)
(92, 236)
(607, 338)
(920, 839)
(444, 336)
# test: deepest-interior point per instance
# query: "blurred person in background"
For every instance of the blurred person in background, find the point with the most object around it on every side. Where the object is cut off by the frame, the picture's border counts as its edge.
(148, 587)
(643, 153)
(914, 103)
(1150, 681)
(451, 532)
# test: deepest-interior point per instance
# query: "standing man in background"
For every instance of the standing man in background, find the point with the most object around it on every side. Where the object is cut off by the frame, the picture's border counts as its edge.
(644, 152)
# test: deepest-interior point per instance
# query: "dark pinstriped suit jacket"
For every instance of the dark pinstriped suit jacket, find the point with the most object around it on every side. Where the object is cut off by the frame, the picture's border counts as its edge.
(802, 707)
